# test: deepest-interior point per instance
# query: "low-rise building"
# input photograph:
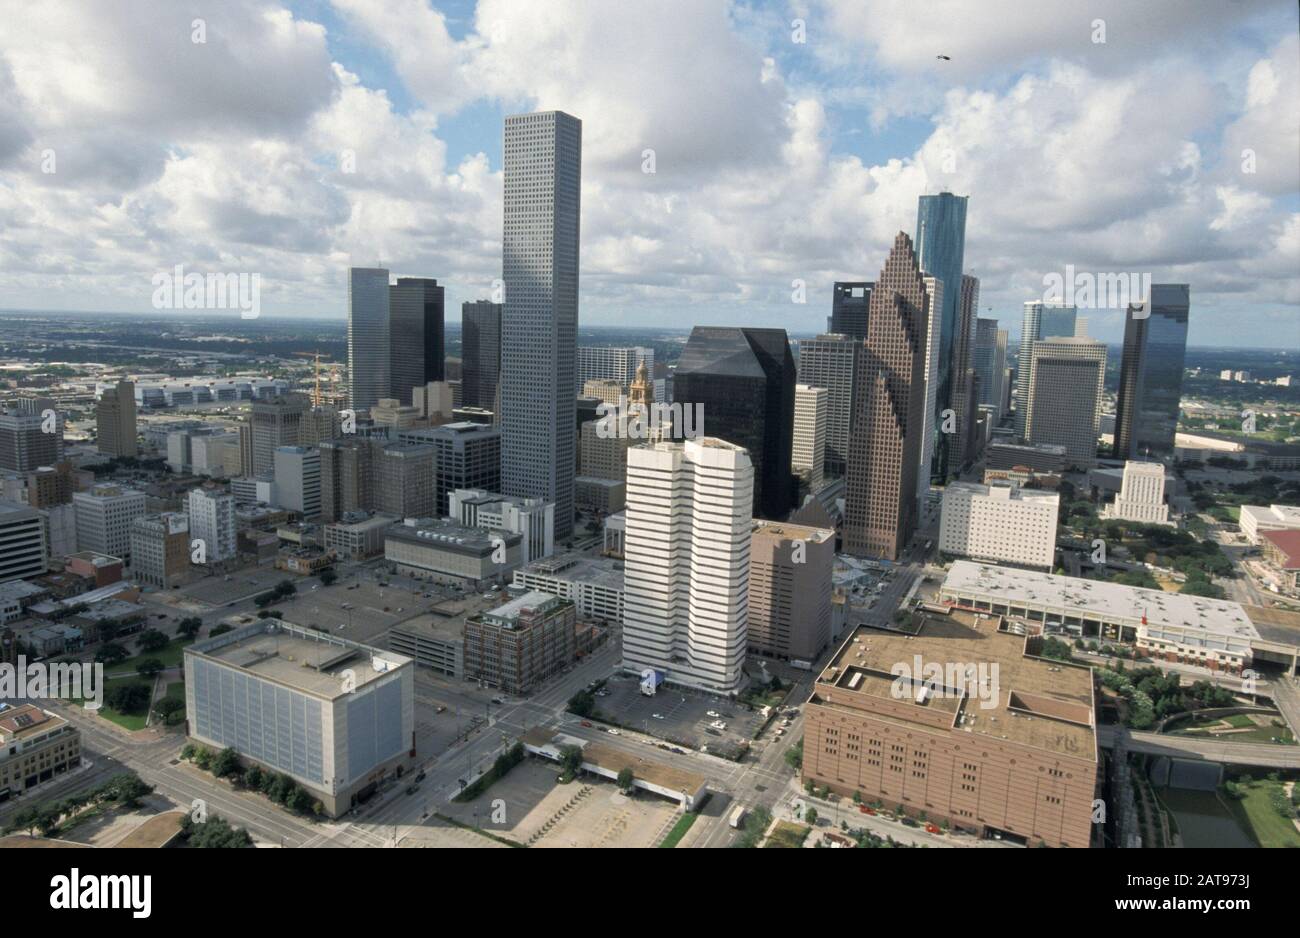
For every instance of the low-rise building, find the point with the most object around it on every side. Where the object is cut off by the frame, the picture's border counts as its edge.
(447, 552)
(1256, 519)
(1281, 550)
(1142, 497)
(35, 746)
(160, 549)
(1000, 523)
(593, 584)
(100, 569)
(359, 536)
(517, 646)
(533, 519)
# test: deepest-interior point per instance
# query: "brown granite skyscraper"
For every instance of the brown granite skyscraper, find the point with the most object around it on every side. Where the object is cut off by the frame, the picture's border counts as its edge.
(885, 444)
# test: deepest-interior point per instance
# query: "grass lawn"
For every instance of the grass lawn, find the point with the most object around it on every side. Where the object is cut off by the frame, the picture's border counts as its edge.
(129, 721)
(171, 655)
(1257, 815)
(679, 830)
(788, 834)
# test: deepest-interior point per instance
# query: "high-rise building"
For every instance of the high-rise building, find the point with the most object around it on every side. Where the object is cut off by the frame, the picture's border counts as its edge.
(686, 570)
(744, 380)
(212, 521)
(417, 346)
(405, 480)
(1151, 374)
(929, 428)
(1065, 398)
(347, 476)
(849, 309)
(989, 363)
(941, 249)
(104, 516)
(297, 480)
(480, 349)
(832, 362)
(1141, 496)
(886, 442)
(30, 440)
(964, 382)
(599, 363)
(160, 549)
(369, 375)
(468, 457)
(23, 547)
(539, 321)
(115, 431)
(790, 568)
(275, 422)
(1001, 523)
(808, 452)
(1041, 321)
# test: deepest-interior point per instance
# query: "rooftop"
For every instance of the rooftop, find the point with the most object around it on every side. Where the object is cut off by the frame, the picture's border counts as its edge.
(921, 681)
(1110, 600)
(26, 720)
(1288, 542)
(450, 536)
(578, 567)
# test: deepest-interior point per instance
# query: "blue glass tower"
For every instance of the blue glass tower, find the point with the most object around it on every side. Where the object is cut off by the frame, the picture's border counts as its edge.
(1151, 374)
(941, 250)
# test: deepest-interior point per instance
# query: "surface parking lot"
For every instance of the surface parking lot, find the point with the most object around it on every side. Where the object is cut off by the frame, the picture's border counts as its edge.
(683, 715)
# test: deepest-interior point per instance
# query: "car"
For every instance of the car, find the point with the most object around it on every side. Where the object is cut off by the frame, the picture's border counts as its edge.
(780, 731)
(440, 709)
(412, 789)
(586, 723)
(866, 810)
(909, 822)
(657, 716)
(613, 732)
(713, 713)
(932, 828)
(497, 700)
(420, 777)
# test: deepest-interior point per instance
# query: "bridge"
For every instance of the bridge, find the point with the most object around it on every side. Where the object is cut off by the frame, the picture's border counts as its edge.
(1267, 755)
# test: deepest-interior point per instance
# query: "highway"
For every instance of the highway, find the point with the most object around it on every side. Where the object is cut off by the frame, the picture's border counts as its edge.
(1268, 755)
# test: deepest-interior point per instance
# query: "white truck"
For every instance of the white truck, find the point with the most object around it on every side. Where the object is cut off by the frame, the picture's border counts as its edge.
(738, 814)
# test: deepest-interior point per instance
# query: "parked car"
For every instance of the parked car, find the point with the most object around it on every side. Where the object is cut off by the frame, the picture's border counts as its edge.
(586, 723)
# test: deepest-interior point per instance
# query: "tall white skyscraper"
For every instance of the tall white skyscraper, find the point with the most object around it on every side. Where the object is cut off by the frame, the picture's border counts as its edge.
(934, 288)
(539, 322)
(368, 339)
(810, 415)
(212, 521)
(686, 574)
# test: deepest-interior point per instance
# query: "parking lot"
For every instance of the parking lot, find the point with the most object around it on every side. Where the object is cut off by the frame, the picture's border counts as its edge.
(678, 716)
(220, 589)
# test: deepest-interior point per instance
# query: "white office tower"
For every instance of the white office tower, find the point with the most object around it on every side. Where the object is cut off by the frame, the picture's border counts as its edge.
(104, 516)
(1002, 523)
(212, 521)
(542, 169)
(297, 480)
(811, 406)
(1141, 496)
(686, 570)
(934, 296)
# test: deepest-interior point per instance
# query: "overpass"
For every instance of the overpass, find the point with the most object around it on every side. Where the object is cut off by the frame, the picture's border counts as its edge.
(1267, 755)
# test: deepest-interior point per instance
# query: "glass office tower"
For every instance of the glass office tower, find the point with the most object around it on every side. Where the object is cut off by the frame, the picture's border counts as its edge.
(941, 249)
(1151, 375)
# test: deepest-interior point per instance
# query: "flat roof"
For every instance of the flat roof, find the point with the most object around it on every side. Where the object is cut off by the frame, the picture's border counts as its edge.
(615, 760)
(449, 535)
(302, 659)
(579, 568)
(446, 620)
(529, 600)
(1037, 702)
(1275, 625)
(1108, 600)
(795, 532)
(27, 720)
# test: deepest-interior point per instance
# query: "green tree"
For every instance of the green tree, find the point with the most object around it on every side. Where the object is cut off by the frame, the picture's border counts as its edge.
(111, 653)
(151, 640)
(625, 778)
(150, 667)
(226, 763)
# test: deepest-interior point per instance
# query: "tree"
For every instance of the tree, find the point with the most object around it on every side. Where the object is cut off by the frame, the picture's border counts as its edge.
(150, 667)
(189, 627)
(327, 576)
(571, 759)
(170, 710)
(810, 816)
(253, 776)
(151, 640)
(128, 698)
(214, 833)
(226, 763)
(625, 778)
(220, 630)
(111, 653)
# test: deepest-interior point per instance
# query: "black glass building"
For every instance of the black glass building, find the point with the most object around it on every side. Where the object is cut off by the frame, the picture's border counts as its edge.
(849, 309)
(480, 343)
(417, 349)
(745, 378)
(1151, 374)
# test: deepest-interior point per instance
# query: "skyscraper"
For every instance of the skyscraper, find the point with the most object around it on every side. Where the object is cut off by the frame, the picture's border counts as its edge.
(964, 382)
(115, 429)
(832, 362)
(275, 422)
(744, 381)
(480, 352)
(989, 361)
(596, 363)
(539, 321)
(368, 337)
(1151, 374)
(1041, 321)
(809, 452)
(686, 565)
(212, 521)
(885, 445)
(941, 250)
(849, 308)
(417, 347)
(1066, 380)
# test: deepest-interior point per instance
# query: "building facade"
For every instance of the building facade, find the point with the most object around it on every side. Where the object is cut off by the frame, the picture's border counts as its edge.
(1040, 321)
(104, 516)
(160, 549)
(417, 345)
(1065, 393)
(1001, 523)
(1142, 495)
(115, 430)
(369, 375)
(212, 522)
(480, 349)
(833, 362)
(790, 568)
(1151, 374)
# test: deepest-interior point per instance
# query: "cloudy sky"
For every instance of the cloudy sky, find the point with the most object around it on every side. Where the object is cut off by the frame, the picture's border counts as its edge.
(790, 143)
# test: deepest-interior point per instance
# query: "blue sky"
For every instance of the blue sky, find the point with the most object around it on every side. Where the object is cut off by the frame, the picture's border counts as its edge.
(779, 161)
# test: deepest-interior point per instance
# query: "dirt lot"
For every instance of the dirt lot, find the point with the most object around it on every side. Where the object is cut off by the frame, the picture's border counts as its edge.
(587, 812)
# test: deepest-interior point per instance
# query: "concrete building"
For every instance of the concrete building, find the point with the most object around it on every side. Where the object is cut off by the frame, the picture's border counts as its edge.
(357, 536)
(886, 447)
(790, 569)
(405, 480)
(599, 496)
(602, 454)
(605, 390)
(104, 517)
(531, 518)
(297, 480)
(1001, 523)
(468, 456)
(689, 515)
(1065, 394)
(958, 723)
(808, 453)
(832, 362)
(1142, 497)
(447, 552)
(392, 413)
(29, 440)
(35, 746)
(480, 340)
(115, 431)
(1041, 321)
(1254, 520)
(542, 167)
(1281, 551)
(160, 549)
(337, 716)
(212, 522)
(276, 422)
(594, 584)
(1041, 458)
(24, 550)
(619, 365)
(517, 646)
(216, 455)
